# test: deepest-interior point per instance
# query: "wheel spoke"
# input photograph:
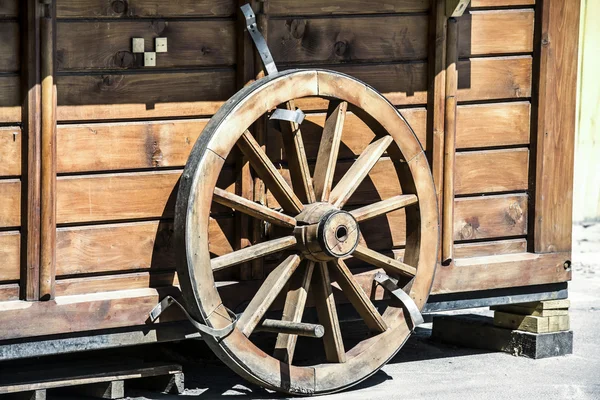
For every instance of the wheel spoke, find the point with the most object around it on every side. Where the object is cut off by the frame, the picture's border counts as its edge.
(296, 157)
(329, 149)
(358, 297)
(268, 173)
(327, 313)
(383, 207)
(266, 294)
(389, 264)
(292, 312)
(252, 252)
(358, 171)
(252, 208)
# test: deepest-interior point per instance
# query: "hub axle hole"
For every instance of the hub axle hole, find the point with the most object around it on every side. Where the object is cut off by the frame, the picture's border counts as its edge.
(341, 233)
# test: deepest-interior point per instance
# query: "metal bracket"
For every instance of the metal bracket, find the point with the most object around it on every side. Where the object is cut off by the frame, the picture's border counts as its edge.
(259, 40)
(456, 8)
(203, 329)
(407, 302)
(282, 114)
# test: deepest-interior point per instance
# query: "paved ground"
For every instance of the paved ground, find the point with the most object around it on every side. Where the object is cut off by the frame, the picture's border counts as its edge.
(427, 370)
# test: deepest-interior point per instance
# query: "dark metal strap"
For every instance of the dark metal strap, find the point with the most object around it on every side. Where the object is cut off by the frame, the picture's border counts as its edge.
(204, 329)
(259, 40)
(288, 115)
(407, 302)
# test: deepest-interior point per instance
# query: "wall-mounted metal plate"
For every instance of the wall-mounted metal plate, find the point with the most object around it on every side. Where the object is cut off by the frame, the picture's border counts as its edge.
(160, 44)
(149, 59)
(138, 45)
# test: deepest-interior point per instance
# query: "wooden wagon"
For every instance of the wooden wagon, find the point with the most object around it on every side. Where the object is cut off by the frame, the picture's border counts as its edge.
(102, 102)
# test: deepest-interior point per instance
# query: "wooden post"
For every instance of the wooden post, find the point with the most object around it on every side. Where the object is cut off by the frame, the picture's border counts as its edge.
(437, 97)
(30, 253)
(450, 142)
(48, 170)
(553, 116)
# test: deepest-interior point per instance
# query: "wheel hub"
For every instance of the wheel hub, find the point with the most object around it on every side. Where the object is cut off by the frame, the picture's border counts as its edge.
(325, 233)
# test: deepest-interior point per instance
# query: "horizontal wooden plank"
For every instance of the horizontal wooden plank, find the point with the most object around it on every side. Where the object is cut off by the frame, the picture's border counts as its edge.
(495, 32)
(9, 8)
(10, 151)
(109, 44)
(335, 40)
(486, 217)
(401, 83)
(144, 8)
(499, 247)
(10, 99)
(495, 272)
(488, 125)
(10, 202)
(317, 7)
(501, 3)
(491, 171)
(111, 197)
(130, 145)
(10, 253)
(70, 314)
(494, 78)
(92, 97)
(356, 135)
(128, 246)
(9, 292)
(110, 283)
(9, 47)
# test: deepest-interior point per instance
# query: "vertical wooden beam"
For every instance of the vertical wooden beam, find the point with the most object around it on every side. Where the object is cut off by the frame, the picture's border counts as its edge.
(557, 46)
(244, 185)
(261, 9)
(437, 96)
(48, 171)
(30, 210)
(450, 142)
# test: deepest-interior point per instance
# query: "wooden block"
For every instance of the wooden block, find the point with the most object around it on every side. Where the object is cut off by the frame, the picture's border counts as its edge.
(547, 305)
(101, 390)
(517, 309)
(476, 331)
(531, 323)
(173, 384)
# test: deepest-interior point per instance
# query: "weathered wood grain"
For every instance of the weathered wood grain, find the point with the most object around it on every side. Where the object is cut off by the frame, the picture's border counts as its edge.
(108, 44)
(10, 151)
(494, 272)
(70, 314)
(9, 8)
(90, 97)
(110, 283)
(10, 202)
(114, 146)
(334, 40)
(503, 124)
(495, 32)
(499, 247)
(494, 78)
(316, 7)
(128, 246)
(490, 217)
(10, 254)
(144, 8)
(492, 171)
(555, 126)
(9, 46)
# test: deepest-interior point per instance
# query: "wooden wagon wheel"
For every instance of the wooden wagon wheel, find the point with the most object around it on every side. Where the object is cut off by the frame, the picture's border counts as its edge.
(320, 233)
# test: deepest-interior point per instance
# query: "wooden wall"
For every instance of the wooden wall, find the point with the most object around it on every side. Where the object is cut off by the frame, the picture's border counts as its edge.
(124, 131)
(11, 138)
